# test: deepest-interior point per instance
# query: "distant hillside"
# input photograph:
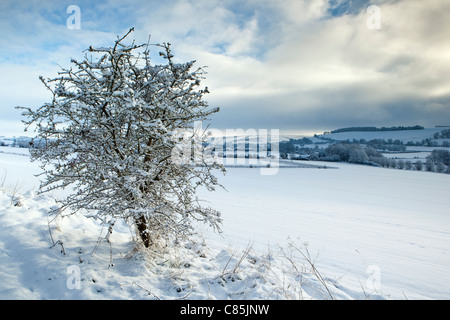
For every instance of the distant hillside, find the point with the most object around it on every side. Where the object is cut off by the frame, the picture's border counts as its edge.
(375, 129)
(403, 135)
(17, 142)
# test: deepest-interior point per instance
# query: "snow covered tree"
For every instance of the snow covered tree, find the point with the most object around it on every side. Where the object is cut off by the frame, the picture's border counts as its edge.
(419, 165)
(358, 155)
(440, 167)
(430, 166)
(408, 165)
(440, 155)
(109, 134)
(392, 163)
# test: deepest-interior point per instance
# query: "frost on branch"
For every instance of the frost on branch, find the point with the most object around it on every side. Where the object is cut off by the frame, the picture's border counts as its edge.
(107, 135)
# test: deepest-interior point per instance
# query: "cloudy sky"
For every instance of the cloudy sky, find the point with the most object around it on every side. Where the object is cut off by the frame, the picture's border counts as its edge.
(294, 65)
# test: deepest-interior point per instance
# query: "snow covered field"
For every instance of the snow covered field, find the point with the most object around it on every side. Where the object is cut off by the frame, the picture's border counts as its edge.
(371, 233)
(356, 218)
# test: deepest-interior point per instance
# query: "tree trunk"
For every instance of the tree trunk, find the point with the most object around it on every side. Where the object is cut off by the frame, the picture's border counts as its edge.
(141, 224)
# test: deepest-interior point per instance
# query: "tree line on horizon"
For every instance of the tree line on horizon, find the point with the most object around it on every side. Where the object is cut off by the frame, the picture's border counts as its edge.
(370, 129)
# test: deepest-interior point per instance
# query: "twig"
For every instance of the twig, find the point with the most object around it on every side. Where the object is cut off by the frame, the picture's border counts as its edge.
(14, 192)
(185, 296)
(50, 232)
(245, 253)
(3, 179)
(364, 291)
(98, 241)
(149, 292)
(405, 295)
(62, 246)
(108, 238)
(315, 271)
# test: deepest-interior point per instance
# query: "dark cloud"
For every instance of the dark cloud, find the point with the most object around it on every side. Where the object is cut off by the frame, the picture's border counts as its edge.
(336, 109)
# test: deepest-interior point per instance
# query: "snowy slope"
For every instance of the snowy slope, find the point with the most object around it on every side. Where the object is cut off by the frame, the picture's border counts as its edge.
(70, 259)
(353, 218)
(371, 232)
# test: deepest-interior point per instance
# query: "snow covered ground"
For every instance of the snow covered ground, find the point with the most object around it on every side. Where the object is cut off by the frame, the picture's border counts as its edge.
(356, 218)
(368, 233)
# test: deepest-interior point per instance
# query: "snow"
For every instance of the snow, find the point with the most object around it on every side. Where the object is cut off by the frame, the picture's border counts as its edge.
(353, 218)
(15, 151)
(371, 233)
(16, 169)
